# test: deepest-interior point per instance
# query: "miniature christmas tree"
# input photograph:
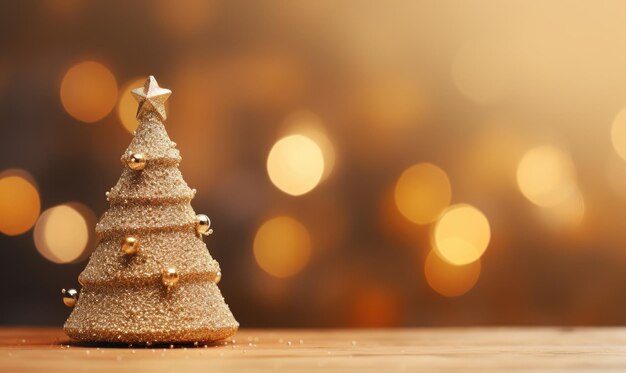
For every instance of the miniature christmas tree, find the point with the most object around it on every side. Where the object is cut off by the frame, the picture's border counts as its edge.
(151, 278)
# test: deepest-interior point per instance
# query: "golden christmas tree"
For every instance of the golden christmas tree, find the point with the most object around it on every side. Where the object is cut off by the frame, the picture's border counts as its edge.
(151, 278)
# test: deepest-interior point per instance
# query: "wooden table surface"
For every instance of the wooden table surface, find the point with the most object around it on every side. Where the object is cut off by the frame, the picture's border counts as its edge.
(435, 349)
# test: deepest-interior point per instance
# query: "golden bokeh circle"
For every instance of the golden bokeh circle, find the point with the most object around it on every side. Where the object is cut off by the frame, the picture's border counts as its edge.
(546, 176)
(295, 164)
(282, 246)
(448, 279)
(422, 192)
(88, 91)
(19, 202)
(461, 235)
(310, 125)
(62, 234)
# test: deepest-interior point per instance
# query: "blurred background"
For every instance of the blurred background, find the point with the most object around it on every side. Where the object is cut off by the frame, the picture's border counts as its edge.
(364, 163)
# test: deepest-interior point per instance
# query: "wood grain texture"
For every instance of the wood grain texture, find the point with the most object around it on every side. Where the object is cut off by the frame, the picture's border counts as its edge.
(441, 350)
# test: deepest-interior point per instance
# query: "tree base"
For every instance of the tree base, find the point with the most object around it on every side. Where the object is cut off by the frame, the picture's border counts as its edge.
(151, 313)
(201, 336)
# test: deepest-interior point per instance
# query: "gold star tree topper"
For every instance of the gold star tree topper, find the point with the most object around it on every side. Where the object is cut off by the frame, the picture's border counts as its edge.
(151, 98)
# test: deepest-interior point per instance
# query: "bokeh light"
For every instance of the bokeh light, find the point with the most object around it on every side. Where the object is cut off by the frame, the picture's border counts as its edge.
(618, 133)
(462, 234)
(450, 280)
(88, 91)
(63, 232)
(295, 164)
(310, 125)
(282, 246)
(422, 192)
(546, 176)
(127, 105)
(19, 202)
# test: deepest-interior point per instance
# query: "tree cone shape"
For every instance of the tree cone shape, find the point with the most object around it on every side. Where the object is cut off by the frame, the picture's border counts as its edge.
(123, 298)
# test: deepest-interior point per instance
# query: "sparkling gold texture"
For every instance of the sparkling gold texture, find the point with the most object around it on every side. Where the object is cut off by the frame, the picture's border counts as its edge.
(166, 292)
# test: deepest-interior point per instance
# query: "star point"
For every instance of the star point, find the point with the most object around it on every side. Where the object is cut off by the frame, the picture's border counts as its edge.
(151, 98)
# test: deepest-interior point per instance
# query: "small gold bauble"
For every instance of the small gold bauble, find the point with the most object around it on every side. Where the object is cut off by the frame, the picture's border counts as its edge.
(70, 296)
(170, 277)
(136, 161)
(130, 245)
(203, 225)
(218, 277)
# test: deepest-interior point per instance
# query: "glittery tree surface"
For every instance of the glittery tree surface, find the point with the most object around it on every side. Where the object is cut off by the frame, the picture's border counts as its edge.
(128, 297)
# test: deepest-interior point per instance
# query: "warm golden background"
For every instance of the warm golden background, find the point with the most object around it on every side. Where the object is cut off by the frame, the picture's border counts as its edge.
(365, 163)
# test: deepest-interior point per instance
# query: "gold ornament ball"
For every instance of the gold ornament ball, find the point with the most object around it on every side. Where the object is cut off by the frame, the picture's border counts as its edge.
(130, 245)
(170, 277)
(203, 223)
(70, 296)
(218, 277)
(137, 161)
